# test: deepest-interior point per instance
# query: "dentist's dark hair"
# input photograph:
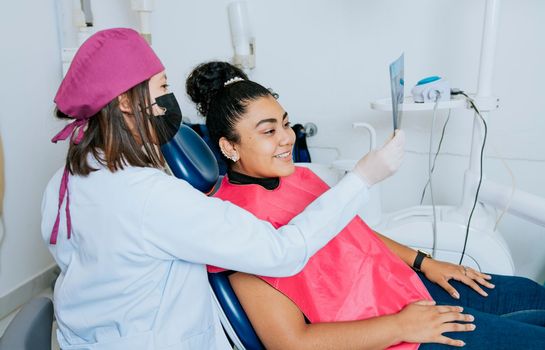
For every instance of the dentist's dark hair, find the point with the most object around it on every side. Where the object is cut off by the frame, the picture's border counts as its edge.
(110, 141)
(222, 105)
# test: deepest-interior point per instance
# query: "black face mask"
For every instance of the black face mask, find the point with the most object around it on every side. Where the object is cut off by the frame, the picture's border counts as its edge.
(167, 125)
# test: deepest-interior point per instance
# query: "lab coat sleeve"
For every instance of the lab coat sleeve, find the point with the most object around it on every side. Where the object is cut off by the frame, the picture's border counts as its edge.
(181, 223)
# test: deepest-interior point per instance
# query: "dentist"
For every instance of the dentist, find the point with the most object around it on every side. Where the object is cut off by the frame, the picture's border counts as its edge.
(130, 240)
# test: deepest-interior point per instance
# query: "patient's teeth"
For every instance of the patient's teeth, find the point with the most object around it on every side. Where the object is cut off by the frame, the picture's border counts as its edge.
(282, 155)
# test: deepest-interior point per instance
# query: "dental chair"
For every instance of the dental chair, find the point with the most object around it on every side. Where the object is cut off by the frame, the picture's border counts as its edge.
(233, 318)
(189, 158)
(31, 327)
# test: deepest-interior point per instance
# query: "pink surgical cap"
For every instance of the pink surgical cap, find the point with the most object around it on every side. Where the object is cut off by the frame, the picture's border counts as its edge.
(109, 63)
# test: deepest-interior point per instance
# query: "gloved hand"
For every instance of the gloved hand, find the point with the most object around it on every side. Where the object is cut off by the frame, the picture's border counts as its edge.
(381, 163)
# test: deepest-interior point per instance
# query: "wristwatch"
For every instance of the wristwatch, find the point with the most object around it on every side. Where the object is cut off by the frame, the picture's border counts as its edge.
(420, 255)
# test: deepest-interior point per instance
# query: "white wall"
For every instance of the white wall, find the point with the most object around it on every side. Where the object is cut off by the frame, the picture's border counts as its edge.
(30, 70)
(327, 59)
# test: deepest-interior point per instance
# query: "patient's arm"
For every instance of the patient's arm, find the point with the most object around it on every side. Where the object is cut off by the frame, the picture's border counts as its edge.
(441, 272)
(405, 253)
(281, 325)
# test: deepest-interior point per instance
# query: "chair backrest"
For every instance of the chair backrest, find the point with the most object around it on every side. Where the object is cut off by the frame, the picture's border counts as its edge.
(31, 327)
(239, 327)
(190, 159)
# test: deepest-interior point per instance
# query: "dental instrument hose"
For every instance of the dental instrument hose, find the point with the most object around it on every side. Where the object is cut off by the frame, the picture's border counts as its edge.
(436, 155)
(472, 102)
(430, 170)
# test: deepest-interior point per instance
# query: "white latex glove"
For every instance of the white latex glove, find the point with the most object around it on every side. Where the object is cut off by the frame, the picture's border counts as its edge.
(381, 163)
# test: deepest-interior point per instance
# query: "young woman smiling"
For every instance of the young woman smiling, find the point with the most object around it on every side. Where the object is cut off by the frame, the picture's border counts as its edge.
(359, 291)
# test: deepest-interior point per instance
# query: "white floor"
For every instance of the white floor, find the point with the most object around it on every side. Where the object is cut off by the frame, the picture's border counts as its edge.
(6, 320)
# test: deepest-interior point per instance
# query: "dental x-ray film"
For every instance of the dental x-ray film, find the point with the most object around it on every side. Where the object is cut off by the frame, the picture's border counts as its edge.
(396, 86)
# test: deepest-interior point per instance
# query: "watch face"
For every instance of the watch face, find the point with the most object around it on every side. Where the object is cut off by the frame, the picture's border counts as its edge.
(428, 255)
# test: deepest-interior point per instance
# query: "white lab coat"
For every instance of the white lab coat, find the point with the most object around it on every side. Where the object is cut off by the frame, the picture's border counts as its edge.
(133, 273)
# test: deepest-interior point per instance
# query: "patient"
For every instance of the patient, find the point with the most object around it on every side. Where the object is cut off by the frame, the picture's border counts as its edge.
(359, 291)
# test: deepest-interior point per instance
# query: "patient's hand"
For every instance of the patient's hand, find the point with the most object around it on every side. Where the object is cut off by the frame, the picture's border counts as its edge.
(425, 322)
(441, 272)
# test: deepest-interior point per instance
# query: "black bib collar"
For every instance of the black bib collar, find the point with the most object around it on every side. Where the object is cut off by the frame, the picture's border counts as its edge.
(270, 183)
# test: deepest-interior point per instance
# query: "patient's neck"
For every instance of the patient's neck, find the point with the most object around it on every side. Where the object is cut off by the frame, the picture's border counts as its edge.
(269, 183)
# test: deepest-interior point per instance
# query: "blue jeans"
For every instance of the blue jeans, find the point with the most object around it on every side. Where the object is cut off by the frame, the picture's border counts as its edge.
(511, 317)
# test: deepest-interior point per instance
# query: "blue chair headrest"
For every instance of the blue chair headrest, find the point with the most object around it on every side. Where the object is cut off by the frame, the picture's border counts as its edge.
(190, 159)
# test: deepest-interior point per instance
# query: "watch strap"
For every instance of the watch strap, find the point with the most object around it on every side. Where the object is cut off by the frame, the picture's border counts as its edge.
(420, 255)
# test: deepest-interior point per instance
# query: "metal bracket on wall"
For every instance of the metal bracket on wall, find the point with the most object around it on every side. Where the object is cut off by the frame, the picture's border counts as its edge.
(310, 129)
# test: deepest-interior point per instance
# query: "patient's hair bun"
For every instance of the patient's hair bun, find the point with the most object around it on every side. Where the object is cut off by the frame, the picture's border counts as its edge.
(207, 79)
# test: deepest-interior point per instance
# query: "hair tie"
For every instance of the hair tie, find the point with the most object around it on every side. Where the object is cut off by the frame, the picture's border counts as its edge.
(232, 80)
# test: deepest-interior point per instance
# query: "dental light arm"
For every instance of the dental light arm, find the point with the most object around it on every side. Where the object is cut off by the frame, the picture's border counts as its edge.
(241, 35)
(144, 9)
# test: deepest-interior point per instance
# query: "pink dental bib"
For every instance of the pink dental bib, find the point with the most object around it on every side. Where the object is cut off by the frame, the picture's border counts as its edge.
(354, 277)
